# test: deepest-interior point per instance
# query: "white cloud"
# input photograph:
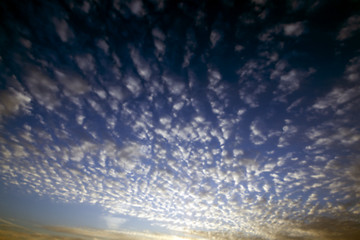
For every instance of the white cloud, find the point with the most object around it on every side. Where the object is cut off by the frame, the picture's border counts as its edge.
(134, 85)
(101, 93)
(79, 152)
(282, 159)
(289, 82)
(25, 42)
(73, 83)
(63, 29)
(250, 90)
(294, 29)
(269, 167)
(85, 62)
(268, 35)
(291, 30)
(80, 119)
(111, 122)
(137, 8)
(239, 48)
(256, 136)
(294, 104)
(351, 26)
(288, 131)
(13, 102)
(165, 120)
(157, 33)
(324, 136)
(336, 97)
(175, 86)
(178, 106)
(97, 107)
(279, 70)
(102, 44)
(116, 92)
(114, 223)
(159, 38)
(189, 48)
(43, 88)
(352, 72)
(215, 37)
(142, 67)
(251, 98)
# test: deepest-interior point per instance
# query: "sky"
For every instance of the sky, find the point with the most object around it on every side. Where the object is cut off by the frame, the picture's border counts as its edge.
(145, 119)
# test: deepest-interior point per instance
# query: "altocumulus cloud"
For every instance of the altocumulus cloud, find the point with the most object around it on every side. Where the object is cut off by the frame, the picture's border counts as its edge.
(216, 119)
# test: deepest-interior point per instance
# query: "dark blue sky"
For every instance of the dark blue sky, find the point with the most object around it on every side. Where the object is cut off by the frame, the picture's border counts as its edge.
(191, 116)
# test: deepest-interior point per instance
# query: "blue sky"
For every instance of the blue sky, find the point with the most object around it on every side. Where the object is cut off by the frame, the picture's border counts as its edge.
(187, 117)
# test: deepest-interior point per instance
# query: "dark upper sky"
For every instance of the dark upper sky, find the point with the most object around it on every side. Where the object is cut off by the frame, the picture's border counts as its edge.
(192, 116)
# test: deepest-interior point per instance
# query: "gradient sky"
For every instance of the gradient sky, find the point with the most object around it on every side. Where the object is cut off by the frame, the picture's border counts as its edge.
(206, 119)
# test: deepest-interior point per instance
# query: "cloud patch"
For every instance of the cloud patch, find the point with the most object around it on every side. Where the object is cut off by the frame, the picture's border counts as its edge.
(62, 29)
(13, 102)
(43, 88)
(351, 26)
(256, 134)
(294, 29)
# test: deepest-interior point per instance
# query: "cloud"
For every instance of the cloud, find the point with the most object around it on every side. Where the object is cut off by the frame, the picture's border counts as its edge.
(116, 92)
(159, 39)
(86, 7)
(113, 222)
(73, 83)
(336, 98)
(289, 82)
(330, 134)
(215, 37)
(352, 72)
(185, 146)
(175, 85)
(42, 88)
(85, 63)
(249, 94)
(101, 93)
(80, 119)
(97, 107)
(103, 45)
(137, 8)
(190, 47)
(13, 102)
(268, 35)
(294, 104)
(63, 30)
(351, 26)
(134, 85)
(256, 136)
(294, 29)
(287, 132)
(250, 90)
(280, 69)
(142, 67)
(238, 48)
